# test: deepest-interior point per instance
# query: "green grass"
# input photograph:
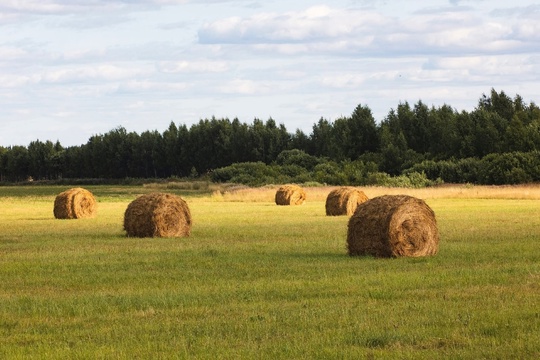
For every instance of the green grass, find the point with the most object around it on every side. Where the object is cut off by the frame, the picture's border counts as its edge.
(256, 280)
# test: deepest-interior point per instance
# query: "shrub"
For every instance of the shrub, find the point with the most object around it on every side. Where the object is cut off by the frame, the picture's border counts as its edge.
(329, 173)
(248, 173)
(298, 158)
(409, 180)
(511, 168)
(356, 172)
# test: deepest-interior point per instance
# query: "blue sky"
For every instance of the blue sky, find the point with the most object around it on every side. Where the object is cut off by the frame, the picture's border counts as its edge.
(70, 69)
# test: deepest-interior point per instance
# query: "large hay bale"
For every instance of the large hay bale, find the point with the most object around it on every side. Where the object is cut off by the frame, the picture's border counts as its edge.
(393, 226)
(158, 215)
(290, 195)
(74, 203)
(344, 201)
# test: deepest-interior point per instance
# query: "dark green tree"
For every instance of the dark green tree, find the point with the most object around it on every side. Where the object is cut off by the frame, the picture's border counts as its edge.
(466, 132)
(500, 103)
(3, 163)
(444, 141)
(171, 149)
(300, 141)
(241, 142)
(17, 163)
(322, 139)
(40, 156)
(489, 129)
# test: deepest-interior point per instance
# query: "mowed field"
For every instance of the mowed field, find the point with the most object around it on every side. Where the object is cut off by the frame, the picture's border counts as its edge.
(260, 281)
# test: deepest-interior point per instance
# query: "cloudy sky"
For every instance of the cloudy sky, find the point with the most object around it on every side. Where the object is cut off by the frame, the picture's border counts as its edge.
(70, 69)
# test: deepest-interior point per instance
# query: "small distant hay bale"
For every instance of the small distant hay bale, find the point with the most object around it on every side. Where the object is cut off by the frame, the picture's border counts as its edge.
(158, 215)
(74, 203)
(290, 195)
(344, 201)
(393, 226)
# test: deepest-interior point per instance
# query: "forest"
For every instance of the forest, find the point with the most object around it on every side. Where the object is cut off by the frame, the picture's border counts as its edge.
(414, 145)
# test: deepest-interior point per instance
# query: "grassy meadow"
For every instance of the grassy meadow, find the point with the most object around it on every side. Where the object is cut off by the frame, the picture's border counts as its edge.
(260, 281)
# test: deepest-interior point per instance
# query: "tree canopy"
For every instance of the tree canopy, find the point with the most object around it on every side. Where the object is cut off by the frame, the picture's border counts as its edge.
(501, 134)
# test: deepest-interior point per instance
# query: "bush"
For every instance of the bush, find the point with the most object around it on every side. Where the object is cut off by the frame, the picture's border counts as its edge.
(298, 158)
(420, 180)
(378, 178)
(248, 173)
(329, 173)
(356, 172)
(511, 168)
(410, 180)
(291, 170)
(450, 171)
(469, 170)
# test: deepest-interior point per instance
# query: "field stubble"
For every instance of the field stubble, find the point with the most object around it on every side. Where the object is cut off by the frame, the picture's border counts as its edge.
(447, 191)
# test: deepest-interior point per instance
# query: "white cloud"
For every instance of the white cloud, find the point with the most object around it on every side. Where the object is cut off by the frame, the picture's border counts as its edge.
(484, 66)
(316, 24)
(146, 85)
(56, 7)
(527, 31)
(78, 6)
(262, 28)
(344, 80)
(245, 87)
(17, 81)
(193, 66)
(107, 72)
(8, 53)
(323, 29)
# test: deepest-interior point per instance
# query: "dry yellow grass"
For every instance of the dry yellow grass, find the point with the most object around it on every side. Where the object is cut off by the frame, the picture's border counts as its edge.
(267, 193)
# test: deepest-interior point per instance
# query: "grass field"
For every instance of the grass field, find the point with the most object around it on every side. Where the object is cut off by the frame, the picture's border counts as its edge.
(258, 281)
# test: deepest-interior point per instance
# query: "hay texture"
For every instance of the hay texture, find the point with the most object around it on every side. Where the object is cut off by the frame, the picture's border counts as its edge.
(344, 201)
(393, 226)
(74, 203)
(158, 215)
(290, 195)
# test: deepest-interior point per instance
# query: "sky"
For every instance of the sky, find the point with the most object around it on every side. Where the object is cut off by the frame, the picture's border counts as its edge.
(71, 69)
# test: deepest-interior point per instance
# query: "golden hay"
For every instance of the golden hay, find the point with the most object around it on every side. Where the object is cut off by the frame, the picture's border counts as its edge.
(393, 226)
(74, 203)
(158, 215)
(344, 201)
(290, 195)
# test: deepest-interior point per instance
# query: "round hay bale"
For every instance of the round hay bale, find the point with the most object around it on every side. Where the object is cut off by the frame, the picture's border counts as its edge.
(290, 195)
(393, 226)
(157, 215)
(74, 203)
(344, 201)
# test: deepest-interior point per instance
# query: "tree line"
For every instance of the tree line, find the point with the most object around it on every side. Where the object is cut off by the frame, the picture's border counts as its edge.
(502, 134)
